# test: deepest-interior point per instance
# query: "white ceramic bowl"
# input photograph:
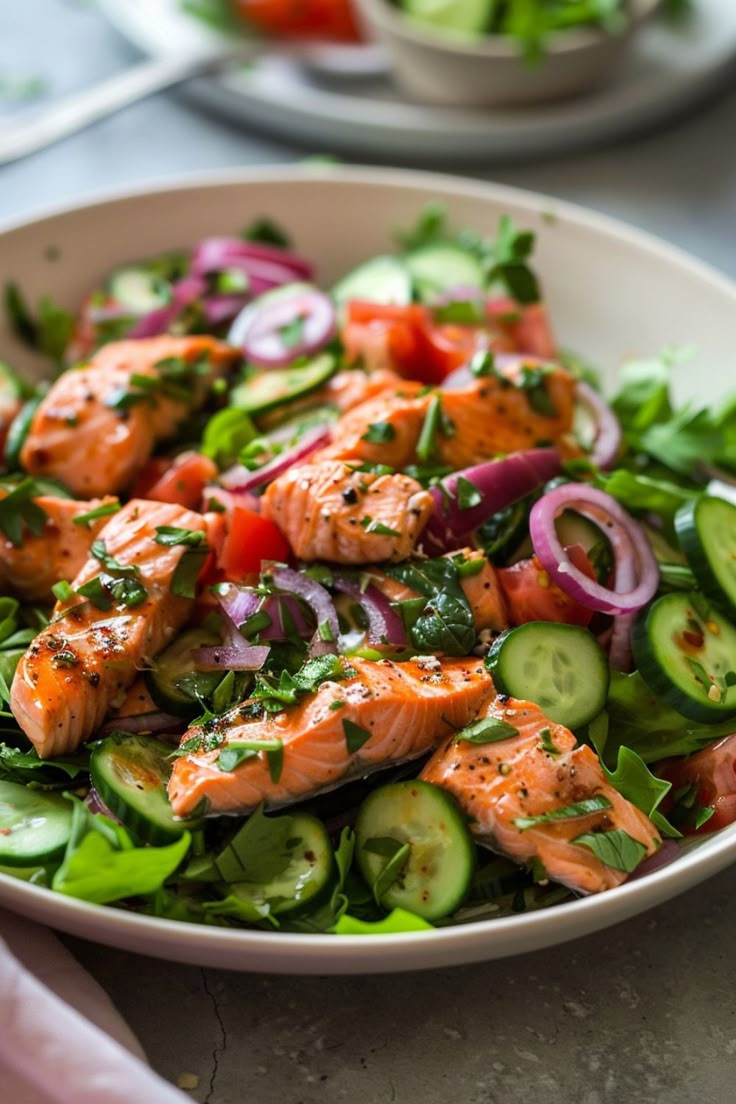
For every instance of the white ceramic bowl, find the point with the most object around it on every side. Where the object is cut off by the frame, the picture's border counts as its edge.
(439, 68)
(612, 292)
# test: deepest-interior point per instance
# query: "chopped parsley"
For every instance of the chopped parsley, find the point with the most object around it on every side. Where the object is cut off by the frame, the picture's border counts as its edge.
(372, 526)
(468, 494)
(171, 535)
(379, 433)
(186, 572)
(18, 509)
(355, 736)
(105, 510)
(488, 730)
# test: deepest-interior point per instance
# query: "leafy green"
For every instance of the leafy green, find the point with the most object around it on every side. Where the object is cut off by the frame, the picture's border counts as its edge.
(645, 494)
(171, 535)
(264, 230)
(50, 331)
(616, 849)
(398, 920)
(379, 433)
(102, 864)
(639, 721)
(578, 809)
(259, 851)
(105, 510)
(444, 622)
(488, 730)
(26, 767)
(290, 689)
(186, 572)
(18, 509)
(632, 778)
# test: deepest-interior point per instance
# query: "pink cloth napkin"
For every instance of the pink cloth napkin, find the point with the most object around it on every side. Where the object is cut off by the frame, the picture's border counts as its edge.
(61, 1039)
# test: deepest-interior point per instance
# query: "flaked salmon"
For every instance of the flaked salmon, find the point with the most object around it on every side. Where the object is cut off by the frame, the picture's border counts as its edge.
(58, 551)
(531, 774)
(383, 713)
(328, 511)
(499, 414)
(87, 657)
(98, 425)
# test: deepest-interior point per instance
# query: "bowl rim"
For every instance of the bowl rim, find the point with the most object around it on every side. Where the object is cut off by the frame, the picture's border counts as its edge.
(288, 953)
(561, 44)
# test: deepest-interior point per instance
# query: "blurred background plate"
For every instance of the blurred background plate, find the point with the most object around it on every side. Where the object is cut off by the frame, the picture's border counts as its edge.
(668, 70)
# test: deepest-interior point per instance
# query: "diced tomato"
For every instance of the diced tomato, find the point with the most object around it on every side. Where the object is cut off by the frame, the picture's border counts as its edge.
(532, 596)
(241, 539)
(181, 481)
(410, 341)
(331, 19)
(705, 780)
(528, 328)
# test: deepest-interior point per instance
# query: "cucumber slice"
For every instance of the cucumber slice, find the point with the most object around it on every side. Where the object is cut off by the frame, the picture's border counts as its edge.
(130, 773)
(18, 432)
(573, 528)
(383, 279)
(267, 390)
(173, 678)
(305, 873)
(139, 290)
(431, 874)
(435, 269)
(34, 827)
(559, 667)
(706, 530)
(686, 654)
(469, 17)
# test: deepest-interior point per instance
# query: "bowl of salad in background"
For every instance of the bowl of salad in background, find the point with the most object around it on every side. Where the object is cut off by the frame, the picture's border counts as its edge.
(594, 274)
(482, 53)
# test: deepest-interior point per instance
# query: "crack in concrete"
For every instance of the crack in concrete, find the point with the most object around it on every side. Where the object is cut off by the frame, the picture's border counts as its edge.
(219, 1048)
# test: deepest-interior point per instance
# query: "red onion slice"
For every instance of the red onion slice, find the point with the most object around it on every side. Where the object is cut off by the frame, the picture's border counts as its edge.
(666, 853)
(218, 309)
(607, 440)
(143, 723)
(319, 601)
(235, 656)
(240, 603)
(95, 804)
(218, 254)
(384, 624)
(240, 479)
(158, 321)
(261, 329)
(499, 482)
(632, 552)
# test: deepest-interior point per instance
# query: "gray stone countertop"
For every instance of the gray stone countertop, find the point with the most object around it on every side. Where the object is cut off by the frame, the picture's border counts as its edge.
(645, 1012)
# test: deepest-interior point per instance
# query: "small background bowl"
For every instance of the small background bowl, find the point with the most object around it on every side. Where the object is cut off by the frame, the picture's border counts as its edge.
(490, 72)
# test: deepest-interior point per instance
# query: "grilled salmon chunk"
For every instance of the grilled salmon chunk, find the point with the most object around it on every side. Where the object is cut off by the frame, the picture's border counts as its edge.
(58, 551)
(532, 773)
(327, 511)
(87, 657)
(98, 425)
(383, 713)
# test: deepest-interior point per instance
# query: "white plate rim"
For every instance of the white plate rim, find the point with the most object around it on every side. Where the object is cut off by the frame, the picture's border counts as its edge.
(303, 954)
(370, 127)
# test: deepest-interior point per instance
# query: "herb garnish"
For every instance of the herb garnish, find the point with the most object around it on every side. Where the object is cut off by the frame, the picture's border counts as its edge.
(441, 621)
(488, 730)
(379, 433)
(616, 849)
(468, 494)
(355, 736)
(171, 535)
(372, 526)
(567, 812)
(105, 510)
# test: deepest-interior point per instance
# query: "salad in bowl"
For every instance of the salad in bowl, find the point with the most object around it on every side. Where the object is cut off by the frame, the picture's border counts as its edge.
(358, 609)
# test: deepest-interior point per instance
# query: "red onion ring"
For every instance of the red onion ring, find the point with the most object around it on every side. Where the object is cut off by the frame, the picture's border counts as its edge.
(630, 548)
(666, 853)
(240, 603)
(319, 601)
(259, 328)
(499, 482)
(239, 478)
(232, 656)
(607, 441)
(95, 804)
(384, 624)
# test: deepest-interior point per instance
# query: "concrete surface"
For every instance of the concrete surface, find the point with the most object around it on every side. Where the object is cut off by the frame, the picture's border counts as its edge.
(643, 1013)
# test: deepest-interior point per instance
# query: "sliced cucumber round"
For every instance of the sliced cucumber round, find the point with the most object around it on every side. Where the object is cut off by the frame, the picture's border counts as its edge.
(305, 874)
(414, 849)
(266, 390)
(384, 279)
(139, 290)
(130, 773)
(34, 827)
(17, 433)
(686, 653)
(706, 530)
(560, 668)
(437, 268)
(174, 682)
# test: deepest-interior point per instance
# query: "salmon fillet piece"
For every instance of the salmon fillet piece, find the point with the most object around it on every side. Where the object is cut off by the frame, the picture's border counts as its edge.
(530, 774)
(342, 391)
(327, 511)
(86, 658)
(482, 591)
(98, 425)
(398, 411)
(402, 709)
(30, 569)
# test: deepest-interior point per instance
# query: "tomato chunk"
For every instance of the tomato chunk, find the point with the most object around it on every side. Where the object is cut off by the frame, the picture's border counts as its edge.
(181, 481)
(701, 782)
(241, 539)
(331, 19)
(532, 596)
